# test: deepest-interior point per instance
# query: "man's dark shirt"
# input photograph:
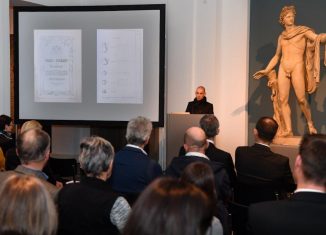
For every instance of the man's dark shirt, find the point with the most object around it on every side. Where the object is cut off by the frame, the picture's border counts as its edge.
(200, 107)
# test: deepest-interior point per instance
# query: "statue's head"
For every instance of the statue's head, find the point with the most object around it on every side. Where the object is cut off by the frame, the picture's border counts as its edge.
(285, 10)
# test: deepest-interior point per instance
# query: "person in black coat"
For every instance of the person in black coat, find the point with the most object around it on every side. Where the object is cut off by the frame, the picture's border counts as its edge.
(258, 163)
(304, 213)
(7, 137)
(200, 104)
(210, 124)
(195, 144)
(91, 206)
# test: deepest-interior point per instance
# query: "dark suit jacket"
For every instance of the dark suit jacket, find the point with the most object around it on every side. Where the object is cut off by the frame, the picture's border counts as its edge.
(133, 171)
(303, 214)
(217, 155)
(178, 164)
(259, 162)
(200, 107)
(21, 170)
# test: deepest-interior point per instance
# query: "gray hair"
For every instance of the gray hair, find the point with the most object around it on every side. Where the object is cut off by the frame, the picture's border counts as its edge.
(96, 154)
(32, 145)
(138, 130)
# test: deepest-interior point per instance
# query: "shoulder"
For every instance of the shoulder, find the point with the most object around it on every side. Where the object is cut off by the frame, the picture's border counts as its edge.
(241, 149)
(279, 157)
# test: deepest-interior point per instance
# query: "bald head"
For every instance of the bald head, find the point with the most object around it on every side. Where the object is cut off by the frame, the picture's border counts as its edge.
(195, 140)
(33, 145)
(200, 93)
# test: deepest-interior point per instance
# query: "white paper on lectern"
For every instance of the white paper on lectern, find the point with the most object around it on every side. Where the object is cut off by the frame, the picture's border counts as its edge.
(57, 66)
(120, 66)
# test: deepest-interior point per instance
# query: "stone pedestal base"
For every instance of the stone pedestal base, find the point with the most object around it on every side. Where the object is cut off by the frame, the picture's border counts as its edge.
(292, 141)
(287, 146)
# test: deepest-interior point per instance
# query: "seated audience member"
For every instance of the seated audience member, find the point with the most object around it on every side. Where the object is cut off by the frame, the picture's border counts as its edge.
(195, 144)
(33, 149)
(200, 104)
(26, 207)
(7, 138)
(133, 169)
(304, 213)
(12, 159)
(90, 207)
(257, 165)
(210, 124)
(201, 175)
(170, 206)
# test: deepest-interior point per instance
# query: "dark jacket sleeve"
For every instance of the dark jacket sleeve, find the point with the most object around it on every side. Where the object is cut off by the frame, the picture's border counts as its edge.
(211, 109)
(188, 109)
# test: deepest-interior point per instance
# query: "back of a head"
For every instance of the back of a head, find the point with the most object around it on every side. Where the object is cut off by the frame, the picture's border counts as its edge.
(266, 128)
(170, 206)
(201, 175)
(195, 138)
(30, 125)
(96, 154)
(4, 120)
(210, 124)
(313, 154)
(138, 130)
(32, 145)
(26, 207)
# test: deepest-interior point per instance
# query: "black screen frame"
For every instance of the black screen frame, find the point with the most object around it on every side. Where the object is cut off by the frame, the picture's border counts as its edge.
(162, 12)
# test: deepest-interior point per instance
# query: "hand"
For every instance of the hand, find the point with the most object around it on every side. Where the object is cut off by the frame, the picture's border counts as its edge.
(58, 184)
(260, 74)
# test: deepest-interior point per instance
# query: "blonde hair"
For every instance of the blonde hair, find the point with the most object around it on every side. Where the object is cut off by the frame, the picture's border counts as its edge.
(32, 124)
(285, 10)
(26, 207)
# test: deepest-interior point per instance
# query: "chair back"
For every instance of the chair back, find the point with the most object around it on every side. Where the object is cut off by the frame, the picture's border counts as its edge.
(251, 189)
(64, 169)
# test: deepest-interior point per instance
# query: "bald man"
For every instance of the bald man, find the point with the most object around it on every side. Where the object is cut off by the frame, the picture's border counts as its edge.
(195, 145)
(200, 105)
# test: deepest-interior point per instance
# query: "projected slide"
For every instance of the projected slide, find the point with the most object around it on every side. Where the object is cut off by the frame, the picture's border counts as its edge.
(120, 66)
(57, 64)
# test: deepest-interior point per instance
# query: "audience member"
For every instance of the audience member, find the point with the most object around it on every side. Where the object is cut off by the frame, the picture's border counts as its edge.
(200, 104)
(210, 124)
(170, 206)
(304, 213)
(26, 207)
(257, 163)
(90, 207)
(12, 159)
(33, 149)
(133, 169)
(201, 175)
(195, 144)
(7, 138)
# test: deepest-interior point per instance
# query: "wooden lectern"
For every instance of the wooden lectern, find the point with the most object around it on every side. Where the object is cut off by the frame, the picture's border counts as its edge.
(177, 124)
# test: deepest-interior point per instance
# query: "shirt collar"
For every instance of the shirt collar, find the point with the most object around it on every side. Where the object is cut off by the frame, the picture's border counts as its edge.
(210, 141)
(263, 144)
(308, 190)
(37, 173)
(137, 147)
(197, 154)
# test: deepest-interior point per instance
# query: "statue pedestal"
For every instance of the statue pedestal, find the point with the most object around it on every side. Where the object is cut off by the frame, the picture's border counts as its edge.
(287, 146)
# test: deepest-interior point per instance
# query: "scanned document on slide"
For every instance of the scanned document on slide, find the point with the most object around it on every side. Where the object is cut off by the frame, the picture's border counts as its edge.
(120, 66)
(57, 66)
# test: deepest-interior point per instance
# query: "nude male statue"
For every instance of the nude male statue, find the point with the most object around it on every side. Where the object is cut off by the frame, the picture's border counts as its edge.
(298, 53)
